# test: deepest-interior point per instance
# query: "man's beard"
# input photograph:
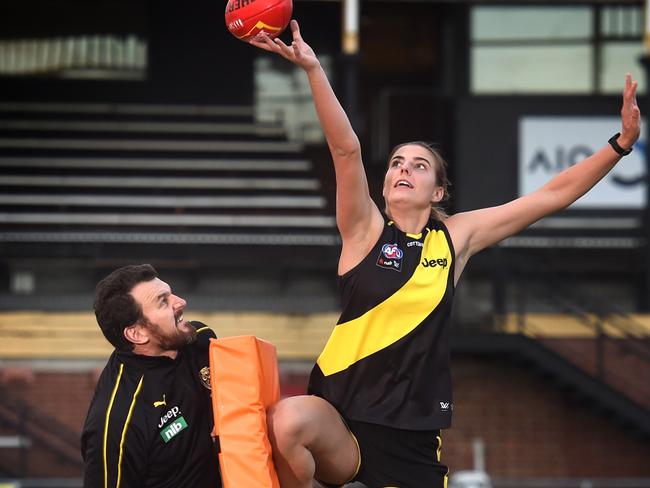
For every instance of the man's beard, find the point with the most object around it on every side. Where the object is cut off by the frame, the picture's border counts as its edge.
(171, 342)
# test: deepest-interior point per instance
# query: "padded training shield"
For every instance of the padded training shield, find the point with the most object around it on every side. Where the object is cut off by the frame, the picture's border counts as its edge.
(245, 382)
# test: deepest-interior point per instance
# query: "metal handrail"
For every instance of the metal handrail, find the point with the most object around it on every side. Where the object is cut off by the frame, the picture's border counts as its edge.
(595, 319)
(584, 307)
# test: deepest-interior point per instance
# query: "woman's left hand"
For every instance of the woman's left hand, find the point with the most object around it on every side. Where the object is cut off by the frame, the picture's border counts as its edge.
(630, 115)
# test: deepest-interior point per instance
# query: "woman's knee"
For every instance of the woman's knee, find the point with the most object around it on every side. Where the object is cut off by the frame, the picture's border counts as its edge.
(298, 425)
(297, 419)
(286, 420)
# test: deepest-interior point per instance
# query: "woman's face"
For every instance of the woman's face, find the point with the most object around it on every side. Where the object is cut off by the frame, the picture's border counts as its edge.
(411, 178)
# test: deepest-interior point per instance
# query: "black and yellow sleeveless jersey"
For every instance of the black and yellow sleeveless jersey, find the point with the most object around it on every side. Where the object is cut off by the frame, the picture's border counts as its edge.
(387, 359)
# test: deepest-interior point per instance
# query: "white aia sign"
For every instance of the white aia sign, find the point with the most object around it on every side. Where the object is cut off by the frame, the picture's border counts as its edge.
(550, 144)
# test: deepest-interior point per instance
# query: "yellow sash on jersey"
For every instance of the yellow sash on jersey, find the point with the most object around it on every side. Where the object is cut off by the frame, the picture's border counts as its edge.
(396, 316)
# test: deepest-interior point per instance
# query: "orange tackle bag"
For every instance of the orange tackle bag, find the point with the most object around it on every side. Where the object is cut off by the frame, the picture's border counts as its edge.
(245, 382)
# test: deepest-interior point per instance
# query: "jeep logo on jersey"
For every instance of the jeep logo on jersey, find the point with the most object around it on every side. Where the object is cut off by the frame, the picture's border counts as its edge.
(171, 413)
(390, 257)
(432, 263)
(172, 429)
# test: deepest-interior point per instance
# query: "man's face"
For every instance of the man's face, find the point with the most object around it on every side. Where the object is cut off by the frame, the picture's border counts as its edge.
(163, 313)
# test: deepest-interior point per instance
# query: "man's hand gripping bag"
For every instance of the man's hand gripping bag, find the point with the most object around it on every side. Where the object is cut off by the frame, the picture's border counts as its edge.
(245, 383)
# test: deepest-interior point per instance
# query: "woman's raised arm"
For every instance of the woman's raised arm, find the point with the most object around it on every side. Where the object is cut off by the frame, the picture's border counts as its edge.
(475, 230)
(358, 218)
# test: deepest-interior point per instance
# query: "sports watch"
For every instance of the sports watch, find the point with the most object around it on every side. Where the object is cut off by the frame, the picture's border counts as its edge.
(613, 141)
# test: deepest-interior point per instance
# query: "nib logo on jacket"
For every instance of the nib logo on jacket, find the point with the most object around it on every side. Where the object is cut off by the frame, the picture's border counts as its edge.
(177, 424)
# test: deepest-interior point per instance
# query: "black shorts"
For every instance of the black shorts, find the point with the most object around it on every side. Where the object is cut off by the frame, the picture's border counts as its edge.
(398, 458)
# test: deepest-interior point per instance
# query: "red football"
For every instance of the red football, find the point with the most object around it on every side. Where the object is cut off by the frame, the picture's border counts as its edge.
(247, 18)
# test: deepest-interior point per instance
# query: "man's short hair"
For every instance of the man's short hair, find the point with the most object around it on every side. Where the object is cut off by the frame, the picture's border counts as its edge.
(115, 308)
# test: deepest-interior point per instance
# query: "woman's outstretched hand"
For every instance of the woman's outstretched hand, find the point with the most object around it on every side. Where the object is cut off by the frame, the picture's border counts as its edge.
(630, 115)
(298, 52)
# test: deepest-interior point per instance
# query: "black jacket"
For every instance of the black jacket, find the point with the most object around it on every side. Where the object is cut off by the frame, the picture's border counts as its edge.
(150, 421)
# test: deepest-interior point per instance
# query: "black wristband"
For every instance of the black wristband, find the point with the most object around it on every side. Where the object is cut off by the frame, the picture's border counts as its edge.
(613, 141)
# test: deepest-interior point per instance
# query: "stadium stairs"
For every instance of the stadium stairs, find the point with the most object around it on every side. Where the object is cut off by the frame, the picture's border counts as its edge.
(74, 175)
(588, 348)
(560, 371)
(597, 336)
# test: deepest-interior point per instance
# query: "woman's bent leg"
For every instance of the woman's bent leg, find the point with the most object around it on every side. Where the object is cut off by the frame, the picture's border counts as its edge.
(310, 440)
